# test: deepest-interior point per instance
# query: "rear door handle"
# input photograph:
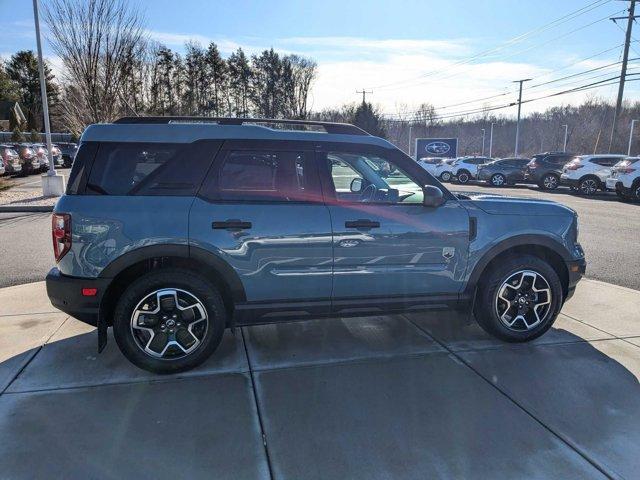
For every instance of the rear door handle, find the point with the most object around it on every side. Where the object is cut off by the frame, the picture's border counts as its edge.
(362, 223)
(231, 225)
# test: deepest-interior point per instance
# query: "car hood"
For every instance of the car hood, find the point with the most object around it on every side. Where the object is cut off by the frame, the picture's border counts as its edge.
(503, 205)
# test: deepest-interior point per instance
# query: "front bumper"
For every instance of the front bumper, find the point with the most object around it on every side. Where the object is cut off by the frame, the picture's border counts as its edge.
(65, 293)
(576, 269)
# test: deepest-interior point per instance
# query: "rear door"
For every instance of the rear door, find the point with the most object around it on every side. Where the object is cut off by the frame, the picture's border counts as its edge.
(389, 249)
(260, 210)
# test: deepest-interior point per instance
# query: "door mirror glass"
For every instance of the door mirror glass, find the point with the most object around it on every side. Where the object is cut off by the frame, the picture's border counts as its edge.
(432, 196)
(356, 185)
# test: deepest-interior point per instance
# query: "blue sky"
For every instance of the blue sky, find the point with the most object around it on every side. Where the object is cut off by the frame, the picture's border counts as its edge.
(407, 52)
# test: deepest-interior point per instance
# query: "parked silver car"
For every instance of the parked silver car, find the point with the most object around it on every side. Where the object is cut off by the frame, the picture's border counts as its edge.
(10, 160)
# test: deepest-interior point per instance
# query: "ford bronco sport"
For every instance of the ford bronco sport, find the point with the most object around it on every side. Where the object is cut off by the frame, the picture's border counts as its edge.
(173, 229)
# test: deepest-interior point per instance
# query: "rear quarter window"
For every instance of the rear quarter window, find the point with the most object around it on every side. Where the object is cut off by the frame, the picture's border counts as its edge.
(173, 169)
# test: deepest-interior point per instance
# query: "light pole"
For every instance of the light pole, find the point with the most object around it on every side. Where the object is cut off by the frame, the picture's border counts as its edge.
(483, 135)
(566, 131)
(633, 123)
(410, 126)
(52, 184)
(491, 139)
(519, 107)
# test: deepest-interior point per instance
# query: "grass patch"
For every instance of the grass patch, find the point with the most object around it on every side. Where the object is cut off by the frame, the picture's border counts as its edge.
(4, 185)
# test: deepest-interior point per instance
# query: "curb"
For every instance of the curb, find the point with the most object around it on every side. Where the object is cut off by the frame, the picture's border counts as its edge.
(26, 208)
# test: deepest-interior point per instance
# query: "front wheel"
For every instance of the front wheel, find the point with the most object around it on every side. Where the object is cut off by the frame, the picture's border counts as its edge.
(169, 320)
(498, 180)
(463, 177)
(518, 299)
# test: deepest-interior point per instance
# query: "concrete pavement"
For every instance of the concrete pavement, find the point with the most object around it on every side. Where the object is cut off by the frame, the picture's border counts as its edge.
(425, 395)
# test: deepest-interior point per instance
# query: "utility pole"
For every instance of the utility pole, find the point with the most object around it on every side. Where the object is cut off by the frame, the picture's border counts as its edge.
(483, 135)
(410, 127)
(519, 107)
(633, 124)
(491, 140)
(364, 94)
(52, 184)
(566, 131)
(625, 57)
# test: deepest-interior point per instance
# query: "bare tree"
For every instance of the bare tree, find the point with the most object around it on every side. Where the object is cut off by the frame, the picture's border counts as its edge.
(96, 40)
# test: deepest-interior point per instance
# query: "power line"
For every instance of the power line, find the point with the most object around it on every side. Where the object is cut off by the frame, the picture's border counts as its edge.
(514, 40)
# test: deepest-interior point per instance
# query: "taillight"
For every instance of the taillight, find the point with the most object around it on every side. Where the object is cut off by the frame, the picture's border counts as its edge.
(573, 166)
(626, 170)
(532, 164)
(61, 234)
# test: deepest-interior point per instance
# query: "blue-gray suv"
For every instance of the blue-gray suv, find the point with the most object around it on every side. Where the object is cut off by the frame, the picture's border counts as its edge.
(173, 229)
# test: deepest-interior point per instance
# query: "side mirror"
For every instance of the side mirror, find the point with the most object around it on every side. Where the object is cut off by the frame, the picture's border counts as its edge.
(432, 196)
(356, 185)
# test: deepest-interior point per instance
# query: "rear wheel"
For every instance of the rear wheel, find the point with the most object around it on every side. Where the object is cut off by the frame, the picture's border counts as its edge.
(588, 186)
(518, 299)
(169, 321)
(498, 180)
(549, 182)
(445, 176)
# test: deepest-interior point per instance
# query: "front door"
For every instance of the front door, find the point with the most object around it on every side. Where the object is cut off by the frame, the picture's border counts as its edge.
(386, 243)
(260, 210)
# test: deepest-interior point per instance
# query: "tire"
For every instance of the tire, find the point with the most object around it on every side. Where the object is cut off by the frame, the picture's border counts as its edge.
(463, 177)
(588, 186)
(445, 176)
(498, 180)
(489, 307)
(155, 288)
(549, 182)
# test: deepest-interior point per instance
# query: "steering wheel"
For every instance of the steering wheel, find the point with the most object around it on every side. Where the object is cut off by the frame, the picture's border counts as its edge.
(368, 193)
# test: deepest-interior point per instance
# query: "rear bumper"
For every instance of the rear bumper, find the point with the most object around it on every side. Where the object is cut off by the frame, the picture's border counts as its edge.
(65, 293)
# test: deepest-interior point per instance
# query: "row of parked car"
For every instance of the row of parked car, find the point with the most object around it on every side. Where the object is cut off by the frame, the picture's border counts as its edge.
(583, 174)
(30, 158)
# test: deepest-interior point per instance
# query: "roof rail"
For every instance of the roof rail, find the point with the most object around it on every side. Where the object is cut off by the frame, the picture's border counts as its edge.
(329, 127)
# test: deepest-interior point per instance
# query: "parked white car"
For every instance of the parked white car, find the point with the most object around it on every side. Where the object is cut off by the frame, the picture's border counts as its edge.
(466, 168)
(444, 168)
(430, 163)
(586, 174)
(625, 179)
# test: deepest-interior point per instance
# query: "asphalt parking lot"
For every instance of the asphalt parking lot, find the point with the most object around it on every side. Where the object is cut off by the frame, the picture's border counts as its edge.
(426, 395)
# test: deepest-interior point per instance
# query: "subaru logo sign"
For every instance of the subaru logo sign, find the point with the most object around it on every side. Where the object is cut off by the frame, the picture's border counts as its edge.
(437, 148)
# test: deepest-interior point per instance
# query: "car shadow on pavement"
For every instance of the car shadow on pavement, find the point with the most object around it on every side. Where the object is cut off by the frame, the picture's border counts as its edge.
(576, 382)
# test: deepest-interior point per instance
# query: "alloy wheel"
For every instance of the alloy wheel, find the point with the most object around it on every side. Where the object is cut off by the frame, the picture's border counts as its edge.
(498, 180)
(588, 186)
(169, 323)
(550, 182)
(445, 177)
(463, 177)
(523, 301)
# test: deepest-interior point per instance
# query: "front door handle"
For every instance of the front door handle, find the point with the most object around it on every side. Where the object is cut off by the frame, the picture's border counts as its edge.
(362, 223)
(231, 225)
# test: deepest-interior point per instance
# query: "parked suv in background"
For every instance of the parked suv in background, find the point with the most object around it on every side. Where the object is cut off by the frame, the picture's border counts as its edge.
(545, 169)
(68, 151)
(625, 179)
(466, 168)
(430, 164)
(586, 174)
(172, 230)
(10, 160)
(28, 158)
(443, 169)
(503, 171)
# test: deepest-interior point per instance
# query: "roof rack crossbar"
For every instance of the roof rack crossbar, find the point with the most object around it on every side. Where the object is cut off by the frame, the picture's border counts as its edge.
(329, 127)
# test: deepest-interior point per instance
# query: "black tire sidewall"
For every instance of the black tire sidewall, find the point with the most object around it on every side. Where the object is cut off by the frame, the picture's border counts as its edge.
(169, 278)
(464, 174)
(504, 179)
(484, 308)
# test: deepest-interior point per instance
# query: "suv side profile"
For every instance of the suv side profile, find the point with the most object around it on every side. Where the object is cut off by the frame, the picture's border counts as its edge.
(173, 229)
(545, 169)
(586, 174)
(465, 169)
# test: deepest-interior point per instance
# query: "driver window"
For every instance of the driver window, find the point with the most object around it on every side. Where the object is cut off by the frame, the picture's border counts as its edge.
(368, 178)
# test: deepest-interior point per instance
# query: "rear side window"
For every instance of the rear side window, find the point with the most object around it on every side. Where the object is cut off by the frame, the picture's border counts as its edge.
(150, 168)
(265, 176)
(80, 169)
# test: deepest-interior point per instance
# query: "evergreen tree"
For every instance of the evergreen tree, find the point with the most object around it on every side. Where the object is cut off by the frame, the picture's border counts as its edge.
(368, 119)
(217, 73)
(239, 82)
